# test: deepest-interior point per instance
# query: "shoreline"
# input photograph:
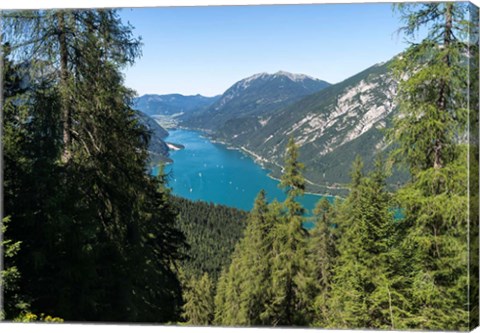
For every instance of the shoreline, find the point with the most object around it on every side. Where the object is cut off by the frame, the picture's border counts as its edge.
(258, 160)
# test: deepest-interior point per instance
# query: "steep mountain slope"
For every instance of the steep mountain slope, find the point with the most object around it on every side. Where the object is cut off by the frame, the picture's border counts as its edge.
(171, 104)
(331, 127)
(157, 147)
(254, 96)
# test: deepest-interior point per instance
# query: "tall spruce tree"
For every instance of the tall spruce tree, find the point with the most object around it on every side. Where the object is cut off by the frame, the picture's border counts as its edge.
(250, 271)
(322, 253)
(430, 135)
(256, 259)
(291, 304)
(364, 285)
(198, 309)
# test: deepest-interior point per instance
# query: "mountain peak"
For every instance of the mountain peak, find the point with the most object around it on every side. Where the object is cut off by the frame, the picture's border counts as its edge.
(294, 77)
(264, 76)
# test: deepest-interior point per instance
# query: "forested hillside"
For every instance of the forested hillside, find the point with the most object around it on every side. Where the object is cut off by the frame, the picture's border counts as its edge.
(211, 232)
(330, 126)
(362, 267)
(90, 235)
(157, 148)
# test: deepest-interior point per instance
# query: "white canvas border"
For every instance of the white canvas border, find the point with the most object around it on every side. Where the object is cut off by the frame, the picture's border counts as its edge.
(124, 328)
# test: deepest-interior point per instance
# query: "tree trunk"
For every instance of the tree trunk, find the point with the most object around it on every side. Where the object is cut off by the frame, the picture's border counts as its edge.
(65, 105)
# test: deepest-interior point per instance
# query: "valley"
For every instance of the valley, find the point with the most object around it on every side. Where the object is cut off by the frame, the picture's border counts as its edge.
(212, 172)
(330, 123)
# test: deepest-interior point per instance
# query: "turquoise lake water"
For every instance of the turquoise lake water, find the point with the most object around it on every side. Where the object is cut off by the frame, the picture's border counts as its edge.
(211, 172)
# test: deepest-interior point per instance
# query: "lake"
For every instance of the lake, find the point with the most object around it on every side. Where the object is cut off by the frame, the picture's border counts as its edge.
(211, 172)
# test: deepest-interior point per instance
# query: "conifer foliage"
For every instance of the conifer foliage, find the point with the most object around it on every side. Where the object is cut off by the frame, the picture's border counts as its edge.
(92, 237)
(363, 293)
(98, 236)
(430, 129)
(267, 280)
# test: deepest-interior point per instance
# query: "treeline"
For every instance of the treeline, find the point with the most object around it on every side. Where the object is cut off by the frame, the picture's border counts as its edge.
(362, 267)
(211, 232)
(90, 236)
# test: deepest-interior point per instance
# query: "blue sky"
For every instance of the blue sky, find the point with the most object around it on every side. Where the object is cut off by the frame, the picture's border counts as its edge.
(205, 50)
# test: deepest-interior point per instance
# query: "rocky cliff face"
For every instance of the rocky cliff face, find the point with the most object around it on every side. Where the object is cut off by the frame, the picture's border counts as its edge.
(331, 127)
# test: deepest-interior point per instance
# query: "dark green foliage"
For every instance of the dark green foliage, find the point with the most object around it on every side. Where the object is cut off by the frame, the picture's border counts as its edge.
(243, 290)
(435, 247)
(289, 269)
(429, 132)
(98, 236)
(211, 232)
(267, 282)
(322, 256)
(432, 100)
(363, 291)
(13, 301)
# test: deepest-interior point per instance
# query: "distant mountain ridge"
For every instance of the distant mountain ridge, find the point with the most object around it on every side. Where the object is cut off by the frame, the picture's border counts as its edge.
(171, 104)
(331, 127)
(331, 123)
(255, 96)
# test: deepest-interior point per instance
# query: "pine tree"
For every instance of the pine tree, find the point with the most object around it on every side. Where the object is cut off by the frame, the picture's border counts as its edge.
(249, 275)
(433, 81)
(256, 259)
(98, 232)
(291, 302)
(13, 304)
(322, 253)
(198, 309)
(429, 132)
(364, 285)
(220, 298)
(56, 39)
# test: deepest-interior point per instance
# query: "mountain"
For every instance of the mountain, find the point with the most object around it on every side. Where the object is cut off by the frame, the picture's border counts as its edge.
(254, 96)
(157, 147)
(331, 127)
(171, 104)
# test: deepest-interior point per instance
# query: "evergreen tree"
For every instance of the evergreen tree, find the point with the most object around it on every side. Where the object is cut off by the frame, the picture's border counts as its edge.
(364, 285)
(56, 39)
(256, 260)
(429, 132)
(13, 304)
(291, 301)
(249, 273)
(211, 232)
(322, 253)
(220, 297)
(98, 234)
(198, 309)
(433, 82)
